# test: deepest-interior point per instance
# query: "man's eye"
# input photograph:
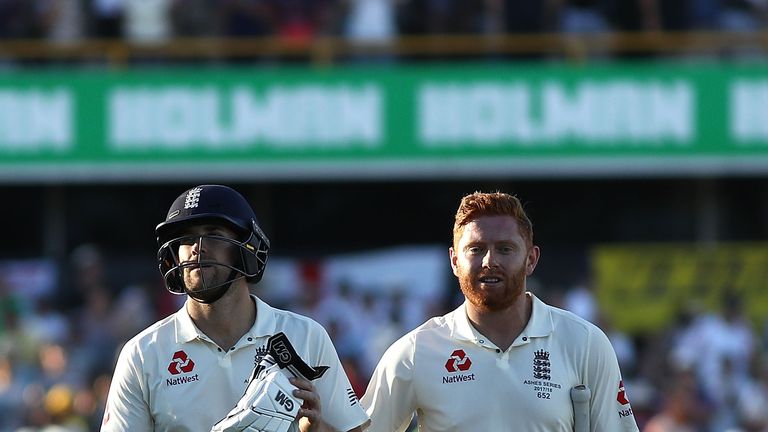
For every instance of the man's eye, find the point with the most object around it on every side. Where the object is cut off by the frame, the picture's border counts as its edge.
(188, 241)
(474, 250)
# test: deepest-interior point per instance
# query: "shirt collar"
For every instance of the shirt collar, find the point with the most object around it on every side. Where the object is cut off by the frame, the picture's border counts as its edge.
(265, 325)
(539, 325)
(186, 330)
(461, 329)
(266, 321)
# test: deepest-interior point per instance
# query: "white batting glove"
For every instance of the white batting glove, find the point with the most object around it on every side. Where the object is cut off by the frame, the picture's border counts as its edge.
(268, 404)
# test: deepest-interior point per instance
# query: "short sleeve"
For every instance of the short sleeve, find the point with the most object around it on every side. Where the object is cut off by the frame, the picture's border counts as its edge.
(390, 399)
(610, 409)
(127, 407)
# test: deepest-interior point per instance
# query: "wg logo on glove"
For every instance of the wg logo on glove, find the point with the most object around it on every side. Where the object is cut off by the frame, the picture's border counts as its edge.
(284, 400)
(282, 352)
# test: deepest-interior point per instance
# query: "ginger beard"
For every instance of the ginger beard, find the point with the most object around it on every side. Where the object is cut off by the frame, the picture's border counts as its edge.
(493, 298)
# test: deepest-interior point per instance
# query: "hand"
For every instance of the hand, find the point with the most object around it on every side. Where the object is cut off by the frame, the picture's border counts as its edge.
(311, 413)
(266, 406)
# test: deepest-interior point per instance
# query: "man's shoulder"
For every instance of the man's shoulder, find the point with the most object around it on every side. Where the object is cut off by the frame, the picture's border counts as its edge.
(433, 327)
(571, 326)
(294, 320)
(160, 330)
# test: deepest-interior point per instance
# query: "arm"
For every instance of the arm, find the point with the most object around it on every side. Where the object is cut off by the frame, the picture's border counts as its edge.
(330, 403)
(609, 406)
(127, 408)
(311, 412)
(390, 398)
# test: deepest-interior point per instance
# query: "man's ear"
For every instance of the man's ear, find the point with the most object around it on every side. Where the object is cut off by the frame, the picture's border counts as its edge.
(454, 260)
(531, 260)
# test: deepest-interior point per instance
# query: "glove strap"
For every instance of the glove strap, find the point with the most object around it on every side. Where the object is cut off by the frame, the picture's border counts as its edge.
(286, 357)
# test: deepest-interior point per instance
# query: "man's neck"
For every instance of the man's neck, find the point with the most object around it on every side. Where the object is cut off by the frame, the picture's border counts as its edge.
(504, 326)
(226, 320)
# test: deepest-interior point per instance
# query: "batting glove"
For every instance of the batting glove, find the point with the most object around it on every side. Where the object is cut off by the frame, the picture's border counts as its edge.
(268, 404)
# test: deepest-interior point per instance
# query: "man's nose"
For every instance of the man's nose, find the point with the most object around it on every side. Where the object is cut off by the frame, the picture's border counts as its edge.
(197, 245)
(489, 260)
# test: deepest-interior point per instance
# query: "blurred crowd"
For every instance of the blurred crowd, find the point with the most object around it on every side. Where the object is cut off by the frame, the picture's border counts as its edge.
(706, 372)
(153, 21)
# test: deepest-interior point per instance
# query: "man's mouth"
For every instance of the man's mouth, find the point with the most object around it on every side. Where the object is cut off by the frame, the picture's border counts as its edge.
(490, 279)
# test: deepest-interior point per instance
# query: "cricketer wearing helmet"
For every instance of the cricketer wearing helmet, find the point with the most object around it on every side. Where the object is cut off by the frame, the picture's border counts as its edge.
(226, 361)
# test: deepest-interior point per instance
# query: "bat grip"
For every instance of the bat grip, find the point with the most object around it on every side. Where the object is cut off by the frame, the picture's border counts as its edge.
(580, 396)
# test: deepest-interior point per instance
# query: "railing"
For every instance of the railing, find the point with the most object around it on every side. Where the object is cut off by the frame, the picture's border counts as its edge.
(328, 50)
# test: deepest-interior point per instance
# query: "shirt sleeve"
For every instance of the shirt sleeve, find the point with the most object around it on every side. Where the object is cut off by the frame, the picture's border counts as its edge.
(339, 403)
(609, 407)
(390, 399)
(127, 407)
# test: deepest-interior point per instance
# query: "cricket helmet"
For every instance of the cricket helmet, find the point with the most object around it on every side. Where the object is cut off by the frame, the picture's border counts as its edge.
(215, 205)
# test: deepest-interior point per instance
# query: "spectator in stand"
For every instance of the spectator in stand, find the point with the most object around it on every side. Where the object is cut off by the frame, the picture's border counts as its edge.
(454, 16)
(86, 274)
(580, 299)
(519, 17)
(55, 368)
(634, 15)
(147, 21)
(95, 324)
(62, 21)
(523, 16)
(59, 404)
(106, 18)
(12, 384)
(10, 305)
(717, 347)
(753, 397)
(47, 324)
(299, 21)
(409, 17)
(369, 22)
(195, 18)
(246, 18)
(743, 15)
(581, 16)
(682, 407)
(133, 311)
(705, 14)
(17, 19)
(622, 343)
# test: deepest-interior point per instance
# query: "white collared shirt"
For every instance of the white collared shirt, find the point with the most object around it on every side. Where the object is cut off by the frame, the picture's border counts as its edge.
(454, 379)
(172, 377)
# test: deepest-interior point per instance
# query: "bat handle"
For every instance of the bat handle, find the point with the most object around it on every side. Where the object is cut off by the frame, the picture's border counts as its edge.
(580, 396)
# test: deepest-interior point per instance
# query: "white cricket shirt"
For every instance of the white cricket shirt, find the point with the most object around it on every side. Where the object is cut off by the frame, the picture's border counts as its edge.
(456, 380)
(172, 377)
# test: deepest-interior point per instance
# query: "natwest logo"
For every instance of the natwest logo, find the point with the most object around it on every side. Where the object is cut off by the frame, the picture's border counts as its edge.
(622, 396)
(458, 362)
(180, 363)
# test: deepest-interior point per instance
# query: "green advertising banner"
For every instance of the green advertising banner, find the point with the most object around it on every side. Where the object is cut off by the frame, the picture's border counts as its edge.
(480, 119)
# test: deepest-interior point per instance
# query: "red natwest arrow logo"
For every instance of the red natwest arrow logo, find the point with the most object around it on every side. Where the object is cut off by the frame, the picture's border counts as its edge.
(180, 363)
(622, 396)
(458, 362)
